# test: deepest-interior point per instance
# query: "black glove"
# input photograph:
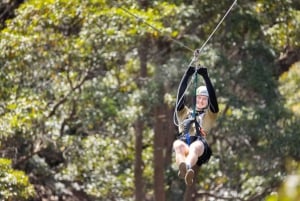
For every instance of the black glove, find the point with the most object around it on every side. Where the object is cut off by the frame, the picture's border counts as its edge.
(202, 71)
(191, 70)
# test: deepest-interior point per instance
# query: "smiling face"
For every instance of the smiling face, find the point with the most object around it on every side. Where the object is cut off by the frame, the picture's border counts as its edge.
(201, 102)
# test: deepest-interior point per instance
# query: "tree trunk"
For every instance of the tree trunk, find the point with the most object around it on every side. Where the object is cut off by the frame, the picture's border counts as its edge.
(163, 141)
(139, 125)
(159, 153)
(138, 165)
(190, 192)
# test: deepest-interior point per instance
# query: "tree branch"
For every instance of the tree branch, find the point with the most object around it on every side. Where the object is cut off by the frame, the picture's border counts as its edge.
(65, 98)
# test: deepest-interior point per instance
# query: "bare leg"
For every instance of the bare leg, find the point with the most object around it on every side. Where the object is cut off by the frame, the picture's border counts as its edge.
(196, 150)
(181, 151)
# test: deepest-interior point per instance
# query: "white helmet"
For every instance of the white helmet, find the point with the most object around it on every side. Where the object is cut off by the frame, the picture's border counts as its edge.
(202, 90)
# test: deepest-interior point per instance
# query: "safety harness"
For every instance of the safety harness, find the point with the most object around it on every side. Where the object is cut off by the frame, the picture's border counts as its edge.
(200, 134)
(187, 124)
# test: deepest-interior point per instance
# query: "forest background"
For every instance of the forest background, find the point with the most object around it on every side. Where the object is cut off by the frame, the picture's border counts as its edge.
(88, 92)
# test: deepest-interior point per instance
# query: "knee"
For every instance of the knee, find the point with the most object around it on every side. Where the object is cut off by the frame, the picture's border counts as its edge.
(197, 147)
(178, 145)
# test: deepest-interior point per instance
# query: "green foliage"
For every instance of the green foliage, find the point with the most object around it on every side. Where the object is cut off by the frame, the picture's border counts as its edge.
(284, 17)
(290, 188)
(289, 88)
(14, 184)
(104, 165)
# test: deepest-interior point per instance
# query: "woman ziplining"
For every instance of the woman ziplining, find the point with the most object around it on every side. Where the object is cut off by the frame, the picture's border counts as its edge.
(191, 147)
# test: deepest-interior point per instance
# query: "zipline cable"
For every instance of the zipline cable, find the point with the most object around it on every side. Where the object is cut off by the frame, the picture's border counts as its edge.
(156, 29)
(218, 25)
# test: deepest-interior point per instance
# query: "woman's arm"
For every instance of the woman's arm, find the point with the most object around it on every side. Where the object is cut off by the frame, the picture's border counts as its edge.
(182, 88)
(214, 107)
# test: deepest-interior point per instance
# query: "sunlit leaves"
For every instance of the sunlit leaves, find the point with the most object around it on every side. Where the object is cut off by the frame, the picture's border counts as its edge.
(283, 30)
(107, 164)
(14, 184)
(22, 116)
(289, 190)
(290, 82)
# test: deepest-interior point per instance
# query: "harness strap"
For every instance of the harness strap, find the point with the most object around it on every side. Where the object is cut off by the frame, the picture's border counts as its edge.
(199, 131)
